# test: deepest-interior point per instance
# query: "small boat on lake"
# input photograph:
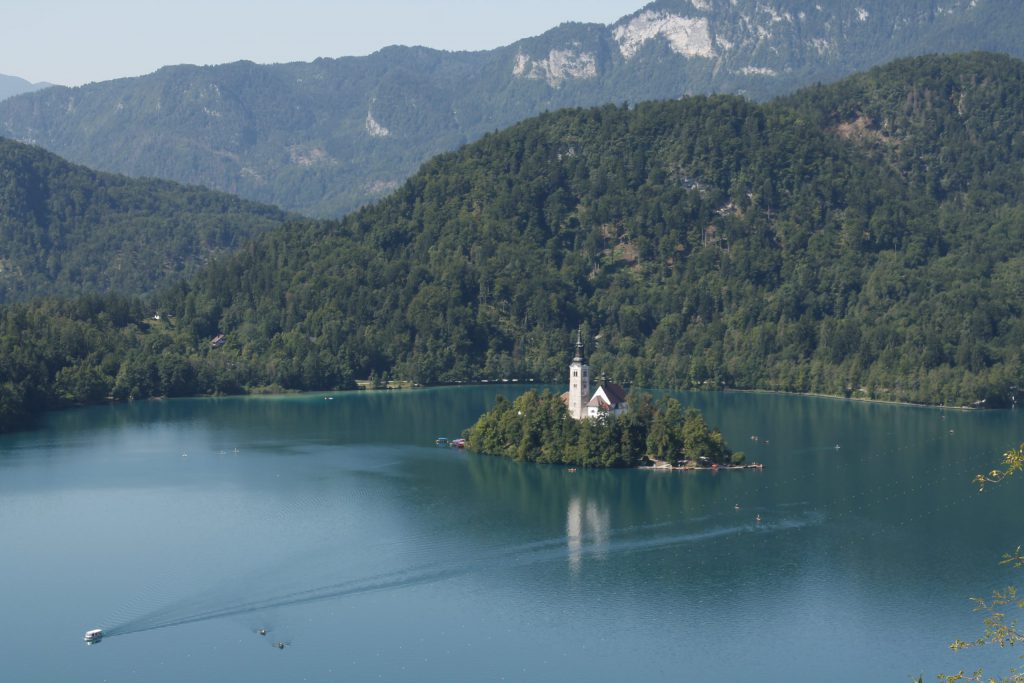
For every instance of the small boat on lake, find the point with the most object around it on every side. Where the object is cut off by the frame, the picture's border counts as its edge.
(94, 636)
(441, 441)
(458, 443)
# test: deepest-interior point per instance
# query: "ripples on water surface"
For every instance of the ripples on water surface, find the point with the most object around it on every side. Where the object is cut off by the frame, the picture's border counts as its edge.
(183, 527)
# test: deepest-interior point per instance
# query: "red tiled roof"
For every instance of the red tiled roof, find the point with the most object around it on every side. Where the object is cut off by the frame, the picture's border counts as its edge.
(615, 393)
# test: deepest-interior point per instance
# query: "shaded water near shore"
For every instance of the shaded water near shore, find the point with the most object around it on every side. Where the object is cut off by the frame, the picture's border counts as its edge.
(182, 527)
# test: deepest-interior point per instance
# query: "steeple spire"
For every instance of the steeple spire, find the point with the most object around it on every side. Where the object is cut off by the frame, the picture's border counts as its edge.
(579, 346)
(579, 382)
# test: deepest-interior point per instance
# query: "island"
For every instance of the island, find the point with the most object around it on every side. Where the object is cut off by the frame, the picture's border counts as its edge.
(605, 428)
(536, 427)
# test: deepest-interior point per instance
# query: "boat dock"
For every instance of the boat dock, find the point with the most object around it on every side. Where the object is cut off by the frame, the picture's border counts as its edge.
(701, 468)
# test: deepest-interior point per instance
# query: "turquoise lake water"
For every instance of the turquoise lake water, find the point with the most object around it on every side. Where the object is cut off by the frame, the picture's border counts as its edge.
(182, 527)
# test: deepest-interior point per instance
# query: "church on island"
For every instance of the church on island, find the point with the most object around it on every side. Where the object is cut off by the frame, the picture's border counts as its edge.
(608, 399)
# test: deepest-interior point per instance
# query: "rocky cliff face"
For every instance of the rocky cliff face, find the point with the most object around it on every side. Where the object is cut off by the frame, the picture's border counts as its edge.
(327, 136)
(737, 44)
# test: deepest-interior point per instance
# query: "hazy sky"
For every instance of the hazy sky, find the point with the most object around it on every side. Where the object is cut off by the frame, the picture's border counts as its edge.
(71, 42)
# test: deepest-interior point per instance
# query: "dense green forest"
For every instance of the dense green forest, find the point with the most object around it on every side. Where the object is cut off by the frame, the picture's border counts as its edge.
(327, 136)
(862, 239)
(537, 428)
(56, 354)
(65, 229)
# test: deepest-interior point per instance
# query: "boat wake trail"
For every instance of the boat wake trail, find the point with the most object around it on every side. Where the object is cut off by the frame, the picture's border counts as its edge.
(562, 548)
(355, 587)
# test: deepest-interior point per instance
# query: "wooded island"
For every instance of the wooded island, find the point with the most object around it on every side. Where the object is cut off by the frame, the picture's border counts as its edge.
(536, 427)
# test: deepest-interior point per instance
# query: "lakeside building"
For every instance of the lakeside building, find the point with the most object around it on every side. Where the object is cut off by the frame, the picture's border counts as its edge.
(608, 399)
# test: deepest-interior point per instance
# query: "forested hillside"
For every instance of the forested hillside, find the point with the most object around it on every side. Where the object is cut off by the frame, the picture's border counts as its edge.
(65, 229)
(863, 239)
(325, 137)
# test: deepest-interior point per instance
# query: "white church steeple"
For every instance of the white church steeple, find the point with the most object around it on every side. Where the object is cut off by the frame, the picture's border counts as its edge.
(579, 381)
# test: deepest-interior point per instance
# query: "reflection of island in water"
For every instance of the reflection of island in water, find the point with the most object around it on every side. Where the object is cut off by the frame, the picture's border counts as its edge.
(587, 529)
(541, 497)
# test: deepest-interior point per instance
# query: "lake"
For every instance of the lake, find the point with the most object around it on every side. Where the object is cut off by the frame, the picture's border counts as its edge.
(182, 527)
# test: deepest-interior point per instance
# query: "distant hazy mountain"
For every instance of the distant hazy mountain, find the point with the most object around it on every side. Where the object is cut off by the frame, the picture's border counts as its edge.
(65, 229)
(327, 136)
(12, 85)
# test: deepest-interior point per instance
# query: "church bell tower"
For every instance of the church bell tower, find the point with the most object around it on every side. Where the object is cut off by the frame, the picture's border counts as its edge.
(579, 381)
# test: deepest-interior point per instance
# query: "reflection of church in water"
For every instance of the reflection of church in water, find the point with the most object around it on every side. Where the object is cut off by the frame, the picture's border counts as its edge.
(587, 531)
(608, 399)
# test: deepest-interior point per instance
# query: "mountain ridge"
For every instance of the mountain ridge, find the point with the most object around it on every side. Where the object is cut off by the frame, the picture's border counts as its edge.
(13, 85)
(326, 136)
